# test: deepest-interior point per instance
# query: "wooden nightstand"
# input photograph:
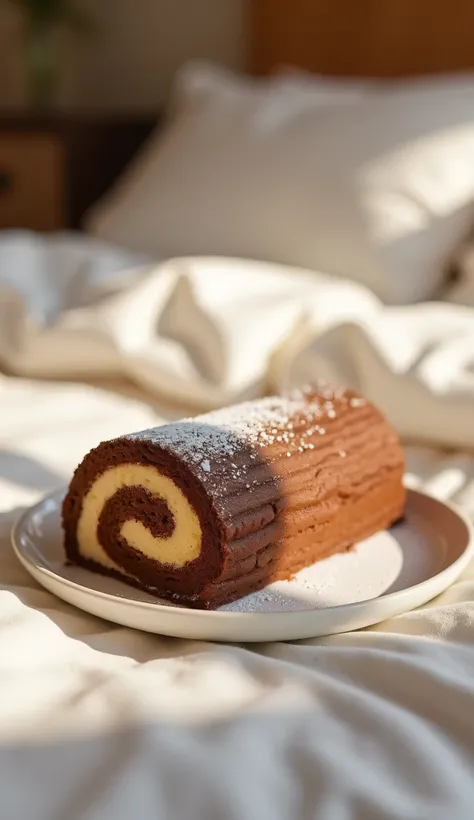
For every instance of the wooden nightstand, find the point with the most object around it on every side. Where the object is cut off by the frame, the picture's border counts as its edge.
(53, 169)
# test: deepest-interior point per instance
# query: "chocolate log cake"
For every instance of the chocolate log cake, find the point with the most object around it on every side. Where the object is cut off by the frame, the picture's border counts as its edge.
(206, 510)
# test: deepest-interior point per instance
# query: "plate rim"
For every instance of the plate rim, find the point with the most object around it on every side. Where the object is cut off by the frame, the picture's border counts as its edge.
(205, 615)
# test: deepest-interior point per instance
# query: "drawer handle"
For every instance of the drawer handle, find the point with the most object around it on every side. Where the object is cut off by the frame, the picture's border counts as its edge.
(6, 182)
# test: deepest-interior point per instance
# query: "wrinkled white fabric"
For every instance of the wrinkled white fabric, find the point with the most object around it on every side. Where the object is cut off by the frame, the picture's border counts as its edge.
(209, 331)
(99, 721)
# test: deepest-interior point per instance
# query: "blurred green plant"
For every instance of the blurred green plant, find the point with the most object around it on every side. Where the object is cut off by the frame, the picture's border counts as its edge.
(51, 13)
(42, 19)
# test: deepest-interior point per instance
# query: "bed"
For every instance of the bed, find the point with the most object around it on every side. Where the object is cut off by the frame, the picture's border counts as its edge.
(98, 720)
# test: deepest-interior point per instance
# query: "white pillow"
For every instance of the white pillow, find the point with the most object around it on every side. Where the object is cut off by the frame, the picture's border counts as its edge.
(367, 184)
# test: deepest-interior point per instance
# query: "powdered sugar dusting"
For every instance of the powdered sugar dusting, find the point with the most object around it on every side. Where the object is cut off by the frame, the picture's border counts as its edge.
(221, 434)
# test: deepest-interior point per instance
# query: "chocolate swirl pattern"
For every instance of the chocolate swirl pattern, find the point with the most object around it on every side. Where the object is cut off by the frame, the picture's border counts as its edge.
(206, 510)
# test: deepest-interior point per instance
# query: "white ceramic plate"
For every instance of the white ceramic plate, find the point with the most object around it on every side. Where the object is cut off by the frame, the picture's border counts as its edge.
(388, 574)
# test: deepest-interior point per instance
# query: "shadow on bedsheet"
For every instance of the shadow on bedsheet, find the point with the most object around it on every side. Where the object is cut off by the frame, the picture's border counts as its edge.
(176, 770)
(242, 762)
(25, 471)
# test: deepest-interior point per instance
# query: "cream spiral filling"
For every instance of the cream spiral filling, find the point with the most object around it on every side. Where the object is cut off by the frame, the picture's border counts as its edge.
(182, 546)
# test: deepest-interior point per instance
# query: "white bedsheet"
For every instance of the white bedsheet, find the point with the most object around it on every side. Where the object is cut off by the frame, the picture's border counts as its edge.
(206, 332)
(98, 721)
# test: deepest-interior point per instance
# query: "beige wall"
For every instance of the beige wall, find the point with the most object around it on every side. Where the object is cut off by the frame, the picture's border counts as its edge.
(131, 62)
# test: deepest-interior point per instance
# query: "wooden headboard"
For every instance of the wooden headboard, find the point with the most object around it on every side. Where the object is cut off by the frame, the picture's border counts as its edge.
(373, 38)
